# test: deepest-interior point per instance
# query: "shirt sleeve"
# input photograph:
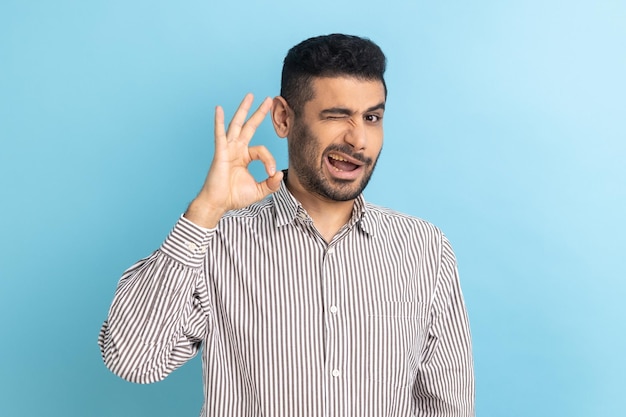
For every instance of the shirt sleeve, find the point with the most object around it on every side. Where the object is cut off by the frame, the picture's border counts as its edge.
(445, 385)
(161, 311)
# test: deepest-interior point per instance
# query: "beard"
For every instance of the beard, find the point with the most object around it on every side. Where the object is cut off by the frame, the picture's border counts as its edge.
(306, 160)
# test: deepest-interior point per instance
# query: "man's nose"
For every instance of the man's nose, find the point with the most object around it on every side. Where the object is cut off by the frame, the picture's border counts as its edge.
(356, 136)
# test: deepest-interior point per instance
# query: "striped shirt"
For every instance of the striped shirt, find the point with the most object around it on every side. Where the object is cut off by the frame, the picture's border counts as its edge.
(371, 324)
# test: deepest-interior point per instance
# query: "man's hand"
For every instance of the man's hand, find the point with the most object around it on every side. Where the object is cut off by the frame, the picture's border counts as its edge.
(229, 185)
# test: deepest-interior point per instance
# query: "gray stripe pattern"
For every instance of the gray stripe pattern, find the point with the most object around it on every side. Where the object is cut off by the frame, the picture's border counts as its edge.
(371, 324)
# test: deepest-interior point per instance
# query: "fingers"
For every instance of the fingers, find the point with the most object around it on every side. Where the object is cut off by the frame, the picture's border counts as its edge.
(273, 182)
(239, 128)
(219, 123)
(238, 120)
(255, 120)
(261, 153)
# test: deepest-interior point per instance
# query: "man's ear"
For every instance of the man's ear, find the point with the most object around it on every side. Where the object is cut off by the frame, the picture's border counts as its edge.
(282, 116)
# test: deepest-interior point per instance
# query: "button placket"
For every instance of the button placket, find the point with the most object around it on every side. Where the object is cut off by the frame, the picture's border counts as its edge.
(332, 291)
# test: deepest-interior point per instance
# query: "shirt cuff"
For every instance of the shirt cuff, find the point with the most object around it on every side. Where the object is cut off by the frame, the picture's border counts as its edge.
(187, 243)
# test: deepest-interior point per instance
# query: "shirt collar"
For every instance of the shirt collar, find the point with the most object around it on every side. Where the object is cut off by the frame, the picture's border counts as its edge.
(288, 209)
(285, 205)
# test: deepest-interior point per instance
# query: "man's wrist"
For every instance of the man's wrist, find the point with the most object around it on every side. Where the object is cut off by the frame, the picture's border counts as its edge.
(203, 214)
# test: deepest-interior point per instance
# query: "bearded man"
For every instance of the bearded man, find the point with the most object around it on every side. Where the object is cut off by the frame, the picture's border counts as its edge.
(305, 299)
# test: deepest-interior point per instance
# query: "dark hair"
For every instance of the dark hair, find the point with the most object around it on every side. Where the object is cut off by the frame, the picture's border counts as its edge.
(328, 56)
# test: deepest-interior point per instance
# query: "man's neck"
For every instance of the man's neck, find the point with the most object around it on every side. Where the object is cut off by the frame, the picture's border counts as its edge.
(328, 216)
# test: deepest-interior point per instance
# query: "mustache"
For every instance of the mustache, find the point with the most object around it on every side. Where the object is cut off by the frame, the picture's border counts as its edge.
(347, 150)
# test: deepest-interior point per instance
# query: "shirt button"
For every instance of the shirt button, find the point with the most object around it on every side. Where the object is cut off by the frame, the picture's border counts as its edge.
(334, 309)
(336, 373)
(330, 251)
(192, 246)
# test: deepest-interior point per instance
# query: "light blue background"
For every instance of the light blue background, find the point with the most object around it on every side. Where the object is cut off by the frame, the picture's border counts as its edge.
(505, 127)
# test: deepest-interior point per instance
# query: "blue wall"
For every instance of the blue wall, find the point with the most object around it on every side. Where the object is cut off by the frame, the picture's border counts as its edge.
(505, 127)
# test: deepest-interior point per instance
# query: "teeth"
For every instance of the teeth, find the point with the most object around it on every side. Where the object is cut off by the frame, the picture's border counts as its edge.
(337, 157)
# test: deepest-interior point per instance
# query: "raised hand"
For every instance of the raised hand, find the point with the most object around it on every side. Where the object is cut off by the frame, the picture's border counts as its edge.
(229, 184)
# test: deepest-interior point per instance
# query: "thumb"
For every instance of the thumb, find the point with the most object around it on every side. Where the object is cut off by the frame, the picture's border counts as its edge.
(272, 184)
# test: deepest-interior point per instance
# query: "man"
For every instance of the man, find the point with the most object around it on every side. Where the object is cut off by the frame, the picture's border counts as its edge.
(309, 302)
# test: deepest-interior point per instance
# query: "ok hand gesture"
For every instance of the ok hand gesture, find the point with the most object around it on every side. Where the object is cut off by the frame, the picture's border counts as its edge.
(229, 184)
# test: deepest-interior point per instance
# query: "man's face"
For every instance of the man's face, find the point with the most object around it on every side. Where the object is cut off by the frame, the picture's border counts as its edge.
(335, 142)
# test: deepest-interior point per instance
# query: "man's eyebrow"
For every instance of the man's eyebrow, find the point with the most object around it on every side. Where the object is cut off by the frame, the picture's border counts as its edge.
(348, 112)
(379, 106)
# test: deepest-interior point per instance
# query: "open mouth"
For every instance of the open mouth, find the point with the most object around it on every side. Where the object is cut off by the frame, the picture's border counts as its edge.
(340, 163)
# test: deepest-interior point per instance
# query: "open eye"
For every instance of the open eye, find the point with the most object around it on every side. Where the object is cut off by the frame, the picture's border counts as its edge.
(373, 118)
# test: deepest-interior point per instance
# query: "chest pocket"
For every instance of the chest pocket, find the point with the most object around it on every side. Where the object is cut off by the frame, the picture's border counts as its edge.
(395, 334)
